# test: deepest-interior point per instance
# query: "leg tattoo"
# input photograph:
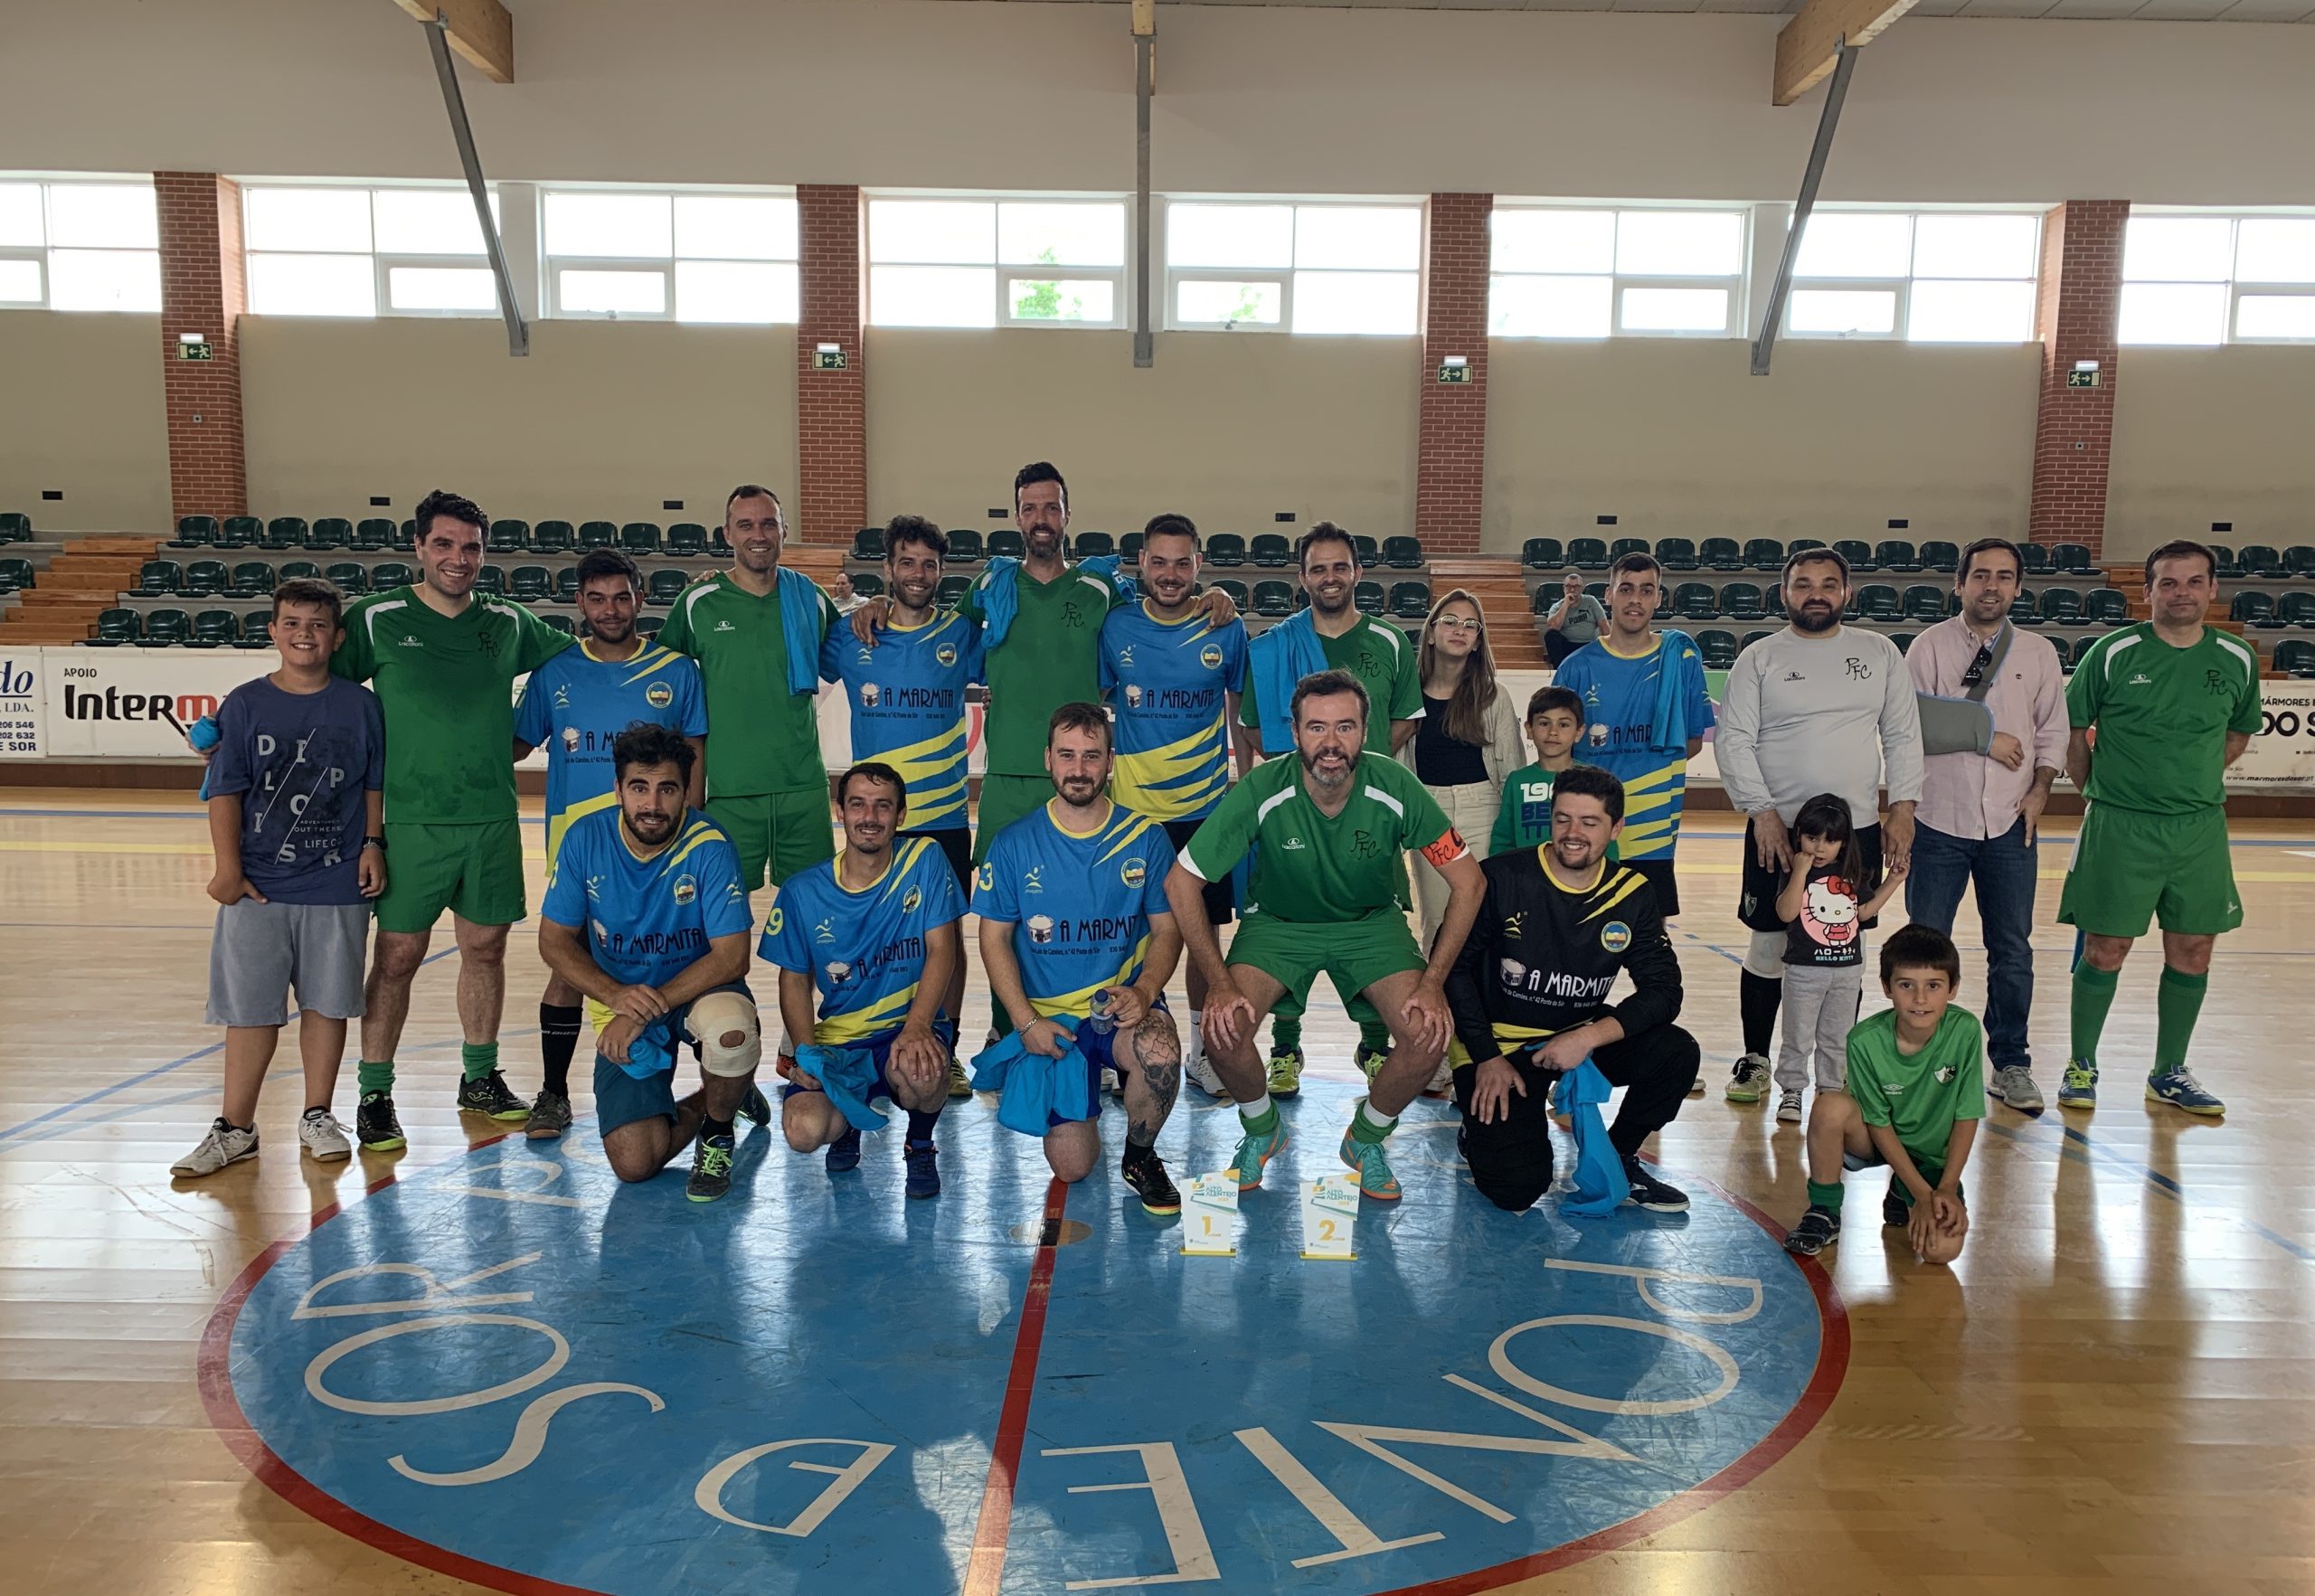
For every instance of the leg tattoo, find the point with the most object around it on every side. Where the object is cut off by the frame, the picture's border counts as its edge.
(1158, 1047)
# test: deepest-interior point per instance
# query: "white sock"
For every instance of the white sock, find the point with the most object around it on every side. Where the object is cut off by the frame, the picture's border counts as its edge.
(1251, 1111)
(1380, 1122)
(1196, 1053)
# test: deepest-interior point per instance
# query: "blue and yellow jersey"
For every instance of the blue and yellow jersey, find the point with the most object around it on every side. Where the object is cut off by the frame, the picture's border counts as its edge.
(573, 706)
(907, 697)
(864, 950)
(646, 921)
(1619, 697)
(1167, 681)
(1079, 906)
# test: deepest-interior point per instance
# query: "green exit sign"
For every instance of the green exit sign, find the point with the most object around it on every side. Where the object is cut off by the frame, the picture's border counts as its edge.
(1454, 373)
(199, 351)
(827, 360)
(2083, 379)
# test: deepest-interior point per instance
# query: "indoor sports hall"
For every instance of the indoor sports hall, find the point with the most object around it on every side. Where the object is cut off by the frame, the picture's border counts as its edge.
(1795, 397)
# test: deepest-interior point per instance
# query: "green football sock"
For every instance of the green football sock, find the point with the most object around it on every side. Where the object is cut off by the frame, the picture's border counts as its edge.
(374, 1076)
(1367, 1126)
(2093, 994)
(1828, 1197)
(2178, 1002)
(1374, 1037)
(477, 1059)
(1285, 1031)
(1261, 1124)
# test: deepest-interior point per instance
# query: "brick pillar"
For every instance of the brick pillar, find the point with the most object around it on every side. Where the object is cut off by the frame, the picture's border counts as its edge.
(2074, 432)
(1451, 450)
(203, 291)
(831, 406)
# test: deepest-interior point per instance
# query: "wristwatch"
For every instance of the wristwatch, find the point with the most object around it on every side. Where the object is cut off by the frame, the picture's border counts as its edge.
(378, 843)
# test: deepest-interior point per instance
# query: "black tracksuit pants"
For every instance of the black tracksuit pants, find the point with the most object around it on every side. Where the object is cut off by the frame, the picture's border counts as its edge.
(1511, 1159)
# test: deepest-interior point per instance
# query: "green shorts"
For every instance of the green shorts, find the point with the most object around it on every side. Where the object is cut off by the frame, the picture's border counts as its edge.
(475, 872)
(1355, 953)
(1002, 800)
(786, 831)
(2131, 868)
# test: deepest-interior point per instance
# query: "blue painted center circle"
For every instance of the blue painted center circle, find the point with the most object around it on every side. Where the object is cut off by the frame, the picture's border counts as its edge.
(512, 1358)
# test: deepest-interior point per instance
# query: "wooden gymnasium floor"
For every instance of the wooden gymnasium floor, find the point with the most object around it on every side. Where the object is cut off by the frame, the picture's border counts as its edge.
(2114, 1389)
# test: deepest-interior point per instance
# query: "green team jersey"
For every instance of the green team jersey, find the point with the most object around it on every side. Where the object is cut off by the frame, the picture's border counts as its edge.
(1316, 870)
(760, 737)
(1919, 1095)
(447, 684)
(1051, 655)
(1379, 655)
(2163, 715)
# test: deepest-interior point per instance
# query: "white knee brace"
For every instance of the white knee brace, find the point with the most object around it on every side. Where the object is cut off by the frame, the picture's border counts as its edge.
(1764, 956)
(720, 1015)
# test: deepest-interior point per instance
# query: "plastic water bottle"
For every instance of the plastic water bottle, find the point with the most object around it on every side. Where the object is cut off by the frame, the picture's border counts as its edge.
(1099, 1019)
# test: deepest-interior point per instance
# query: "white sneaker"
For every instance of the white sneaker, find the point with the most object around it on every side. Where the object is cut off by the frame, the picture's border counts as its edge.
(1111, 1083)
(225, 1144)
(1442, 1081)
(1787, 1106)
(1202, 1075)
(320, 1134)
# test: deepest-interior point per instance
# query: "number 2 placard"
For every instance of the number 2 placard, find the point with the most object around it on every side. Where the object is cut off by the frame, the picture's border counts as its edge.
(1329, 1214)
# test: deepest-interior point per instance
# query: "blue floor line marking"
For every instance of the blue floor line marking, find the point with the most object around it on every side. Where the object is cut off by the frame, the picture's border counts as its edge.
(114, 1117)
(156, 1073)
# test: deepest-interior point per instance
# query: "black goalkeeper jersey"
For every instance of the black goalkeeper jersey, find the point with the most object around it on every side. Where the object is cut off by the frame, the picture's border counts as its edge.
(1541, 957)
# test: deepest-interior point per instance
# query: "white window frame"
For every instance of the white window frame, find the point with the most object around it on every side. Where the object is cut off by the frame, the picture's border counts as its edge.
(1279, 276)
(1737, 284)
(2237, 288)
(1121, 277)
(551, 265)
(1899, 330)
(381, 262)
(38, 254)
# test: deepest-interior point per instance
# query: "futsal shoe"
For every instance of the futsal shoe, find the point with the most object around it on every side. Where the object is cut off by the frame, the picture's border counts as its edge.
(1255, 1151)
(1696, 1087)
(1650, 1192)
(711, 1169)
(550, 1117)
(1147, 1177)
(1370, 1062)
(2014, 1084)
(843, 1152)
(488, 1094)
(1749, 1083)
(1285, 1075)
(1819, 1229)
(960, 1085)
(1787, 1106)
(755, 1108)
(1374, 1177)
(320, 1134)
(225, 1144)
(2182, 1090)
(923, 1173)
(376, 1124)
(1202, 1075)
(2079, 1089)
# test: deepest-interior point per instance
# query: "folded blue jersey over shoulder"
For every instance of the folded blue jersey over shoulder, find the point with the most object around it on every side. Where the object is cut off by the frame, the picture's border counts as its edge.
(1035, 1093)
(1277, 661)
(800, 612)
(646, 919)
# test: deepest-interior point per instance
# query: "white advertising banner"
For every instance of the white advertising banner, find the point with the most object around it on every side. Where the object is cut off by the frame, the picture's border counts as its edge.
(2281, 757)
(22, 708)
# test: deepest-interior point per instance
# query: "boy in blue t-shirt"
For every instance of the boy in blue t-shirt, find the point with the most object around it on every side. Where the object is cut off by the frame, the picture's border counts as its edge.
(295, 793)
(645, 914)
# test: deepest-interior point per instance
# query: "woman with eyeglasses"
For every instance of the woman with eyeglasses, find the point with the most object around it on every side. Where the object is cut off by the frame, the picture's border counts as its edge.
(1468, 741)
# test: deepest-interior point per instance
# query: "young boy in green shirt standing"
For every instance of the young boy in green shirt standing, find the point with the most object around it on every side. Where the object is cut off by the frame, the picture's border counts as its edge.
(1916, 1091)
(1555, 725)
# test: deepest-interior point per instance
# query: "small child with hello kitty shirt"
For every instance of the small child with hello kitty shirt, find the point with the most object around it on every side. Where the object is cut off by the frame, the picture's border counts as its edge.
(1825, 907)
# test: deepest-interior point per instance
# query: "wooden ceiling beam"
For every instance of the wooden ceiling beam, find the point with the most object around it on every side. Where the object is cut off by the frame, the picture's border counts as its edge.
(480, 31)
(1804, 48)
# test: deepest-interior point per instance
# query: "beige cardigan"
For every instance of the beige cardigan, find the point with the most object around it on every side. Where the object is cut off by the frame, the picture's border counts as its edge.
(1507, 746)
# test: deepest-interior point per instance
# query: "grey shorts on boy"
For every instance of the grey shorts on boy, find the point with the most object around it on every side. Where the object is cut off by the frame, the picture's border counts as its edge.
(261, 952)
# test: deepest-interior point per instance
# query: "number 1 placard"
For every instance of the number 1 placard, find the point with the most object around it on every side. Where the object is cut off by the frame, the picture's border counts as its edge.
(1210, 1217)
(1330, 1213)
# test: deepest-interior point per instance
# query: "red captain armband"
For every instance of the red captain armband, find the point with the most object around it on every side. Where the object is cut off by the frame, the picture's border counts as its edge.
(1449, 848)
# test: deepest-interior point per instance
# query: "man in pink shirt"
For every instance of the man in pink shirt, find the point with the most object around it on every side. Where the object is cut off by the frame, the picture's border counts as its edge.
(1979, 809)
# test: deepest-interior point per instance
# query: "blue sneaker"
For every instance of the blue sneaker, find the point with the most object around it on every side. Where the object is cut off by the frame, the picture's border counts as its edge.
(1253, 1152)
(923, 1173)
(2182, 1090)
(843, 1152)
(2079, 1089)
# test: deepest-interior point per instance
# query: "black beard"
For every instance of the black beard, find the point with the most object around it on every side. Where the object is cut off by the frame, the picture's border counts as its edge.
(1805, 623)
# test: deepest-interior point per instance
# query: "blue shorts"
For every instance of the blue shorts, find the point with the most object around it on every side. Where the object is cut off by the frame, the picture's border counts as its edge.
(621, 1098)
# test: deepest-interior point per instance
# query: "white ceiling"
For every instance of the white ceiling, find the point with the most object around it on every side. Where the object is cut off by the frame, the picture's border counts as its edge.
(2232, 11)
